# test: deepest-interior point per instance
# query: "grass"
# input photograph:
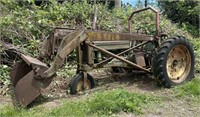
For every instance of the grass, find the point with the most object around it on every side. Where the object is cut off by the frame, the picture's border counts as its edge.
(100, 104)
(108, 103)
(189, 90)
(9, 111)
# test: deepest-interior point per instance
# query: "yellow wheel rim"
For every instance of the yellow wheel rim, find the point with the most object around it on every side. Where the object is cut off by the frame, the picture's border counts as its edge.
(82, 87)
(178, 63)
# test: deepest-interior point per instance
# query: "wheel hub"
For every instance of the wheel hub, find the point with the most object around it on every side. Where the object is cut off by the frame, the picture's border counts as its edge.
(175, 63)
(81, 86)
(178, 63)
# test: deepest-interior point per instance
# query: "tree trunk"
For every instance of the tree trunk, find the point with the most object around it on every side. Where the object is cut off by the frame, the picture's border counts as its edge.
(145, 3)
(117, 3)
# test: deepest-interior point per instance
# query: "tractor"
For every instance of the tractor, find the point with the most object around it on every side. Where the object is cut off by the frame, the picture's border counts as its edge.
(169, 59)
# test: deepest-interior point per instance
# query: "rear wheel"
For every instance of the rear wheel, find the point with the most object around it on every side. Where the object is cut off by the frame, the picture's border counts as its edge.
(174, 62)
(77, 84)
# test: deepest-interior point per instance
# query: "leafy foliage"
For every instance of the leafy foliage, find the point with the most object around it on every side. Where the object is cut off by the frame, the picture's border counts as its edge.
(68, 71)
(183, 12)
(21, 23)
(4, 74)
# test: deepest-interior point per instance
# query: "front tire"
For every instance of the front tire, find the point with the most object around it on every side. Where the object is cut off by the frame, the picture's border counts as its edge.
(77, 83)
(173, 62)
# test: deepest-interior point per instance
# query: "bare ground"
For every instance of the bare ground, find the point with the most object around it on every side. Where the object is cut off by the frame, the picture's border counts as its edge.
(133, 82)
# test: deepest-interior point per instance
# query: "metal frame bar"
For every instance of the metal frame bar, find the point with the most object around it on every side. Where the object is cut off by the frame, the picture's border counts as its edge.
(147, 8)
(113, 36)
(100, 64)
(119, 58)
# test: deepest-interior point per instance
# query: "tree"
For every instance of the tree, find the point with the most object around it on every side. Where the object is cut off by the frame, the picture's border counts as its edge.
(117, 3)
(139, 4)
(145, 3)
(184, 11)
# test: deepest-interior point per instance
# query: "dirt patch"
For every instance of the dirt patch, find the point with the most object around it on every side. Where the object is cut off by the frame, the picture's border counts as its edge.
(174, 107)
(5, 100)
(52, 104)
(58, 88)
(134, 82)
(137, 82)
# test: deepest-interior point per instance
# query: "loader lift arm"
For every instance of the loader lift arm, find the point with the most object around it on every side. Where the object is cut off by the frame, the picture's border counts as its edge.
(68, 44)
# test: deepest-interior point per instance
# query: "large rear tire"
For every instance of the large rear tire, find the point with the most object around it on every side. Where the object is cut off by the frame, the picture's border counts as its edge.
(173, 62)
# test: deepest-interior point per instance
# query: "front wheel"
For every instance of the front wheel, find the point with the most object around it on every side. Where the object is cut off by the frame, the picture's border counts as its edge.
(77, 84)
(173, 62)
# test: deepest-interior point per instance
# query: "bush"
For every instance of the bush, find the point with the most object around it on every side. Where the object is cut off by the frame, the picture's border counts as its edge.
(4, 75)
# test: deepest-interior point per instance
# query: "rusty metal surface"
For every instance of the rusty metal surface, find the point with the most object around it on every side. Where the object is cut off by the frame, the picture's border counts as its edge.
(100, 43)
(51, 44)
(144, 9)
(100, 64)
(32, 61)
(90, 55)
(19, 71)
(120, 58)
(112, 45)
(111, 36)
(26, 86)
(23, 77)
(139, 59)
(117, 63)
(79, 54)
(26, 89)
(74, 40)
(95, 18)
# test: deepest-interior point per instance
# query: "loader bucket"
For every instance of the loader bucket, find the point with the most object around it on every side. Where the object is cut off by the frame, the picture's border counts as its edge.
(23, 77)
